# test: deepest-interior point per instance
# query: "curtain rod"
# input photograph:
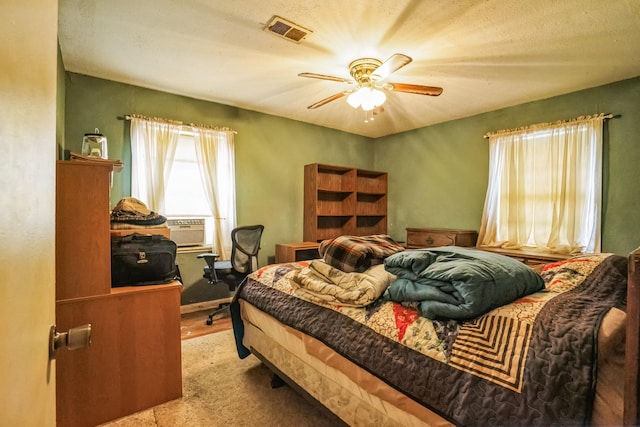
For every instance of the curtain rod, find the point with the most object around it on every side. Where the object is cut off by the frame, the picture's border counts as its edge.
(577, 119)
(222, 129)
(151, 119)
(175, 122)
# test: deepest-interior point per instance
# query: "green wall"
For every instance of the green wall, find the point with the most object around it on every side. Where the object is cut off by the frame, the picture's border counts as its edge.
(270, 151)
(60, 102)
(438, 174)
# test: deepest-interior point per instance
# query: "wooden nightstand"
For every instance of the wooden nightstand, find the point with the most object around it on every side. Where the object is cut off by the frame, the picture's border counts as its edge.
(291, 252)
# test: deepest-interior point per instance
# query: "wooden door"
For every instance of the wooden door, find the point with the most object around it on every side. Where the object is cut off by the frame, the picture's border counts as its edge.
(27, 228)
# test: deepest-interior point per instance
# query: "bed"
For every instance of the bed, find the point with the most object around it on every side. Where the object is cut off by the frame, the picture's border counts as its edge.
(552, 356)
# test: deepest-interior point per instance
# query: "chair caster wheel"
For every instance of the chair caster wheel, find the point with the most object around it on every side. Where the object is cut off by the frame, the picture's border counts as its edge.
(209, 321)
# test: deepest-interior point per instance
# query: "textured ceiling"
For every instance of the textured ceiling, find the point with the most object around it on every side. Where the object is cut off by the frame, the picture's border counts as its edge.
(485, 54)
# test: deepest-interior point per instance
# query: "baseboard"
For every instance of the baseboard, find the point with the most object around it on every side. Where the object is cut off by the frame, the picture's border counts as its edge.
(204, 305)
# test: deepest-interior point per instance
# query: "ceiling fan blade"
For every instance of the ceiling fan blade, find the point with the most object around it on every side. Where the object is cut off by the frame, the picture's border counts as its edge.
(417, 89)
(325, 77)
(391, 65)
(326, 100)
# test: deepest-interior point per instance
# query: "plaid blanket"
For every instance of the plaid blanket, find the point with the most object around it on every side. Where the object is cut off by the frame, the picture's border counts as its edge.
(357, 253)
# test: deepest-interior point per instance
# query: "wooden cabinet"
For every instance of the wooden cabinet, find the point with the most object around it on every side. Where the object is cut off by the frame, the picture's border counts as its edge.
(134, 361)
(434, 237)
(291, 252)
(343, 201)
(83, 242)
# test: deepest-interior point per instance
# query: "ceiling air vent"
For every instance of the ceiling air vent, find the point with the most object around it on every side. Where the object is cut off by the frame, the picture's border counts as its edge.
(287, 29)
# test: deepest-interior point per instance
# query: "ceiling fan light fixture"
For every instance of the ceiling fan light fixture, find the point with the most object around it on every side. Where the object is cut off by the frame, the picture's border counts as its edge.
(367, 98)
(354, 99)
(378, 97)
(370, 74)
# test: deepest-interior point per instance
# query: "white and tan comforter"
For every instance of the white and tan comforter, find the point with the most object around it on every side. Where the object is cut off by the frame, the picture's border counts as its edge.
(322, 283)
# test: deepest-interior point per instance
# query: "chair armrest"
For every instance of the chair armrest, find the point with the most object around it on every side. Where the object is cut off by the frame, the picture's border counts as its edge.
(208, 255)
(210, 259)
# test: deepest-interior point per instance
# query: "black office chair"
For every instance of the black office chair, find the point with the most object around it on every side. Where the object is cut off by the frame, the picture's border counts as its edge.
(244, 260)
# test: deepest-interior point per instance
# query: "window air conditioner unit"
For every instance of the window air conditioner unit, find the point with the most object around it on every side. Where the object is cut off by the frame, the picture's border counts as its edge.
(187, 231)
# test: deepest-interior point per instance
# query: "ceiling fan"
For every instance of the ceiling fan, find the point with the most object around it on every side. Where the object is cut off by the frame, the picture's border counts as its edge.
(370, 74)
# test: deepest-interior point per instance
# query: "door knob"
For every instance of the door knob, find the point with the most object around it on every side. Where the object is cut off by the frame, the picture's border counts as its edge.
(74, 339)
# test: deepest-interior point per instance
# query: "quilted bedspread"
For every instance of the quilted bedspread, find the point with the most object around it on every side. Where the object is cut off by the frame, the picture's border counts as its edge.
(530, 362)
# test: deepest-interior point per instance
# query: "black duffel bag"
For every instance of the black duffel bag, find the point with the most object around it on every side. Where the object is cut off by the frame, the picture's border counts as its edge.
(142, 259)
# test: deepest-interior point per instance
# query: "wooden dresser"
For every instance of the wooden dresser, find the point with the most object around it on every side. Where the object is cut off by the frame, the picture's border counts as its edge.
(434, 237)
(134, 360)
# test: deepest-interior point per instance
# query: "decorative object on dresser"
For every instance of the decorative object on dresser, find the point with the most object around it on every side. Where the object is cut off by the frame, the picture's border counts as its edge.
(343, 201)
(116, 375)
(434, 237)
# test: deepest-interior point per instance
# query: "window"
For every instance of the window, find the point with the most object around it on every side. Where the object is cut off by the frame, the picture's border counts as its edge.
(186, 171)
(184, 193)
(545, 186)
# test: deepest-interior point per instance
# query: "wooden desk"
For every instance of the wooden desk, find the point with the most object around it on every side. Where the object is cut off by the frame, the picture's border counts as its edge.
(291, 252)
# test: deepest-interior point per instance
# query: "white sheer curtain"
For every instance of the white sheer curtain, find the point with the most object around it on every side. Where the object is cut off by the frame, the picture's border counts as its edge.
(153, 148)
(216, 161)
(545, 187)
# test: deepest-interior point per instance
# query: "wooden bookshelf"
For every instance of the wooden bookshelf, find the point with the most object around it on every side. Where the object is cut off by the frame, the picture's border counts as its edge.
(343, 201)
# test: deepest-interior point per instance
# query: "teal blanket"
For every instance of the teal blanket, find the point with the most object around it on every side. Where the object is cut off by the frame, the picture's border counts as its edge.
(452, 282)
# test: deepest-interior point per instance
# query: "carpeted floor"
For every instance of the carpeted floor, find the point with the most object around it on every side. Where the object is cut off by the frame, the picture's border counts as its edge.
(219, 389)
